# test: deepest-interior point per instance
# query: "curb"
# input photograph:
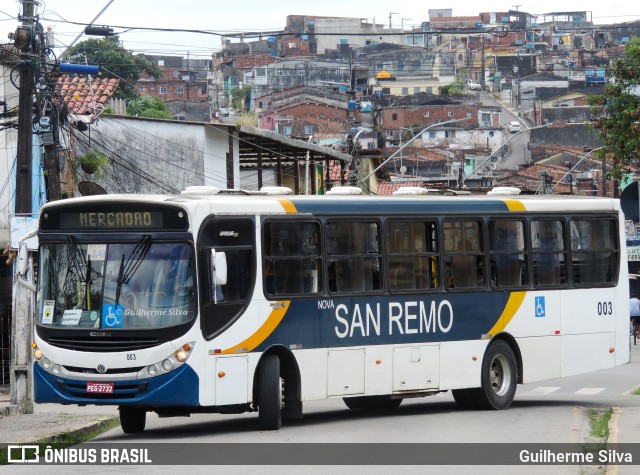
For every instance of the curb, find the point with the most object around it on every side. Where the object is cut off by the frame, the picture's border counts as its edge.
(96, 425)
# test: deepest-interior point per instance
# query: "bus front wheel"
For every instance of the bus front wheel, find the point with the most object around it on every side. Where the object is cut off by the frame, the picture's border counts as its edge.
(132, 419)
(499, 377)
(269, 393)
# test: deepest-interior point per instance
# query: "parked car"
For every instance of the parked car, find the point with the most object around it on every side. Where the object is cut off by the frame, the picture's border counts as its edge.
(473, 86)
(514, 126)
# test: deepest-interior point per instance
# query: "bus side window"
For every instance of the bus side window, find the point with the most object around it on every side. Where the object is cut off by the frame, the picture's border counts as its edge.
(549, 260)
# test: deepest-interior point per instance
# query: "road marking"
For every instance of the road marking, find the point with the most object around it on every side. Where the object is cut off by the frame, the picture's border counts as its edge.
(589, 391)
(542, 390)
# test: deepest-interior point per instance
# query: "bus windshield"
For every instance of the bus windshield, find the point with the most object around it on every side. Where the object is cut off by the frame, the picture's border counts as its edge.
(141, 285)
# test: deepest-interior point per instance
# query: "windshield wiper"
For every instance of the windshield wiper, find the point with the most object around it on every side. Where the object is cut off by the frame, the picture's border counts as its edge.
(129, 268)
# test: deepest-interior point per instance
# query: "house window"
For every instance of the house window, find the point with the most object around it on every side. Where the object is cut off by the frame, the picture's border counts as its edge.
(321, 116)
(301, 72)
(394, 116)
(141, 89)
(161, 62)
(416, 90)
(260, 73)
(163, 90)
(308, 129)
(430, 90)
(426, 114)
(287, 130)
(405, 91)
(336, 116)
(279, 72)
(176, 74)
(179, 90)
(448, 134)
(450, 114)
(432, 134)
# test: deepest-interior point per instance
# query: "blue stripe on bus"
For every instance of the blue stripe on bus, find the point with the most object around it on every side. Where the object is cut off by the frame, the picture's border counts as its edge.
(359, 206)
(382, 320)
(178, 388)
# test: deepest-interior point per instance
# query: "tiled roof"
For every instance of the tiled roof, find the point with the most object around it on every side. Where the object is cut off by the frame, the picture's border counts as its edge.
(85, 96)
(387, 187)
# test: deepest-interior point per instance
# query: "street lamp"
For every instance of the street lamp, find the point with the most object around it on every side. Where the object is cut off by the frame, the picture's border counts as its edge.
(501, 146)
(414, 137)
(574, 167)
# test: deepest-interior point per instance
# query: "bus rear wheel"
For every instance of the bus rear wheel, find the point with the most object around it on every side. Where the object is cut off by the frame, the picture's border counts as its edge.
(132, 419)
(499, 377)
(269, 393)
(372, 403)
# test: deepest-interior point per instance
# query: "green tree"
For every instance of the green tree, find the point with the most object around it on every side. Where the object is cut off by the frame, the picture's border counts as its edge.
(149, 107)
(115, 62)
(617, 111)
(239, 95)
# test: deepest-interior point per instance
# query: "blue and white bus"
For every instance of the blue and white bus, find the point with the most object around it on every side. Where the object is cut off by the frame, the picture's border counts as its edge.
(215, 301)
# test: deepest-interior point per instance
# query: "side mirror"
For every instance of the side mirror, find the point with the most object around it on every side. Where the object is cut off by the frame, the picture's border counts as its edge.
(23, 259)
(218, 268)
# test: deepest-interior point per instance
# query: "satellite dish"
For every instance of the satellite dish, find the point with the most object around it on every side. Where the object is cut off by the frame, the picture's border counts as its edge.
(88, 188)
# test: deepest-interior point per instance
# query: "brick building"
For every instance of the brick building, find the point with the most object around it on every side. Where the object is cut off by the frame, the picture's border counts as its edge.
(183, 87)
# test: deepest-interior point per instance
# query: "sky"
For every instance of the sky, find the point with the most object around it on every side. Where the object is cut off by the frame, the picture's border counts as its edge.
(260, 15)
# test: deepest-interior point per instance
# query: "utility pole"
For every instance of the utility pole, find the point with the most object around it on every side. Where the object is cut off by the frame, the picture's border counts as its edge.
(391, 13)
(23, 291)
(25, 111)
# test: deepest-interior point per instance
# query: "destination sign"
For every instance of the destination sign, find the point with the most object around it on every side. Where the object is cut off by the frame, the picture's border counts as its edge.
(111, 220)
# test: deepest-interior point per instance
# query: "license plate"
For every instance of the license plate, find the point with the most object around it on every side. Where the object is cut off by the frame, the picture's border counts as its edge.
(102, 388)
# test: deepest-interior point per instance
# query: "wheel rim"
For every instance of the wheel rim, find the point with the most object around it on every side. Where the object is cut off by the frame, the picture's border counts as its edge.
(500, 375)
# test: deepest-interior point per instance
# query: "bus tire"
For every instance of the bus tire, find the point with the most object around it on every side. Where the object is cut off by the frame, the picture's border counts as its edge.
(499, 377)
(372, 403)
(465, 398)
(132, 419)
(269, 393)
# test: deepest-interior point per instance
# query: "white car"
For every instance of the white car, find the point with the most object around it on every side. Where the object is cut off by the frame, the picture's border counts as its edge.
(473, 86)
(514, 126)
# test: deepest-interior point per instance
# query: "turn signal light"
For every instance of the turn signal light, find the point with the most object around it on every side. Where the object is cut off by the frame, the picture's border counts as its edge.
(221, 374)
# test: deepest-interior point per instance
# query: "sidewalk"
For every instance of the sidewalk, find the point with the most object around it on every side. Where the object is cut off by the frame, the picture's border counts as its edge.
(48, 420)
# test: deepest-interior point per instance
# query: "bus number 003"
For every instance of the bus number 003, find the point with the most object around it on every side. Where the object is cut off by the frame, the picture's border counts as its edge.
(131, 356)
(605, 308)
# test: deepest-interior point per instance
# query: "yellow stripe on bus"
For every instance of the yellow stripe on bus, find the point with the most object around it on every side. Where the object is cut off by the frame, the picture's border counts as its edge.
(513, 304)
(515, 205)
(272, 321)
(288, 206)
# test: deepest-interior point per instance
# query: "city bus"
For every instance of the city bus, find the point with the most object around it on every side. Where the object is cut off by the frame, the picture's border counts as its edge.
(217, 301)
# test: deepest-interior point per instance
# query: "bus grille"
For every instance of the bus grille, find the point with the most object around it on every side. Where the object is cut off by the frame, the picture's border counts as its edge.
(103, 345)
(78, 369)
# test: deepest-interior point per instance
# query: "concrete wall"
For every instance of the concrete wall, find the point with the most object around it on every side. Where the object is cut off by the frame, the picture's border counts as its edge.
(154, 156)
(574, 135)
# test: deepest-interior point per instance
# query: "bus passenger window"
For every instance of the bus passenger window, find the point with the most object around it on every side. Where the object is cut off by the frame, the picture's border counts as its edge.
(292, 258)
(464, 254)
(354, 251)
(411, 255)
(507, 254)
(594, 253)
(549, 257)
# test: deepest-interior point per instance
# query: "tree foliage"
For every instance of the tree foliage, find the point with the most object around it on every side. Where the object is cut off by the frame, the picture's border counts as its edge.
(115, 62)
(619, 121)
(239, 95)
(149, 107)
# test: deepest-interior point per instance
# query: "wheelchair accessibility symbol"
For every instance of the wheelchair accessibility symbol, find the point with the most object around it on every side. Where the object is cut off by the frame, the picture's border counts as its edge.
(112, 316)
(540, 307)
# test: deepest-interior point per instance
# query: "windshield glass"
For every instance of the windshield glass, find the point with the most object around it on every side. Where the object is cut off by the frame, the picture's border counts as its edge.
(116, 286)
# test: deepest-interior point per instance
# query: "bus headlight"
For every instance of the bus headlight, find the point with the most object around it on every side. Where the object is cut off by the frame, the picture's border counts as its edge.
(169, 364)
(55, 369)
(46, 364)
